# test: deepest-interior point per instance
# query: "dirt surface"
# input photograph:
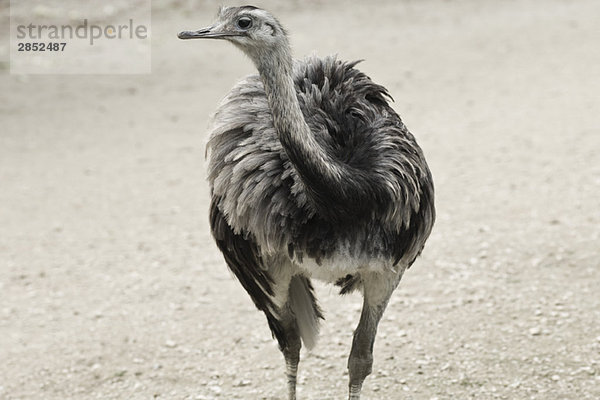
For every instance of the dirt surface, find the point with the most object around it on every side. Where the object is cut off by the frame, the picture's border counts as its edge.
(110, 284)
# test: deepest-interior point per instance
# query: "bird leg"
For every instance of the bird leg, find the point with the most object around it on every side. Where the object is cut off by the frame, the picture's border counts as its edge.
(291, 353)
(289, 338)
(377, 289)
(290, 347)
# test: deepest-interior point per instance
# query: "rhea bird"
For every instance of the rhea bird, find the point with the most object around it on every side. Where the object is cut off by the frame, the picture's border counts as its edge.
(312, 175)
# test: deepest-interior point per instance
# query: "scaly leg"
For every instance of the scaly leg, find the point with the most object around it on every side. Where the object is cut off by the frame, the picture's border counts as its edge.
(377, 289)
(291, 353)
(289, 336)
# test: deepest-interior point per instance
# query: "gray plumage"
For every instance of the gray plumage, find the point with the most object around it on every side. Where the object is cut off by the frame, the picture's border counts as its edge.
(312, 174)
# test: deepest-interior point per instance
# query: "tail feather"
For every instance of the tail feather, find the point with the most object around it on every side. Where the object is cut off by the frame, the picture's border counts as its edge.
(306, 310)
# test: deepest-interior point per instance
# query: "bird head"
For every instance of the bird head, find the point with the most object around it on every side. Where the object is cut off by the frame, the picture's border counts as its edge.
(255, 31)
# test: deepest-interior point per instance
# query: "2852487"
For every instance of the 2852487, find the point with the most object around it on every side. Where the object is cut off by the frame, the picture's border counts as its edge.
(42, 46)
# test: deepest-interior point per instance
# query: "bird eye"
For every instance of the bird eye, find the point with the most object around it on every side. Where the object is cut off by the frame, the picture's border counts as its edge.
(244, 23)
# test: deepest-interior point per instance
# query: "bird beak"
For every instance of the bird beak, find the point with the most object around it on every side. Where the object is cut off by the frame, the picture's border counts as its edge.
(207, 33)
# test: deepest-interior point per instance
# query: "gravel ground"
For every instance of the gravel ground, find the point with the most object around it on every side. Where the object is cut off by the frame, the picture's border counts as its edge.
(111, 287)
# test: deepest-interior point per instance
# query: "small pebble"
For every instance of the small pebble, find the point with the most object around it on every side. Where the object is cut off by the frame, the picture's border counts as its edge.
(216, 389)
(535, 331)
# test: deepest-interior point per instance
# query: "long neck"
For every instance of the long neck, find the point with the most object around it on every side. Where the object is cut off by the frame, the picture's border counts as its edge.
(322, 175)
